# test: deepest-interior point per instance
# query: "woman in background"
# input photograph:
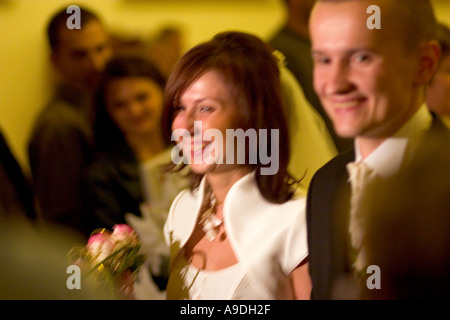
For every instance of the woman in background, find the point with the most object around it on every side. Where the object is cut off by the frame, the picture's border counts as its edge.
(126, 182)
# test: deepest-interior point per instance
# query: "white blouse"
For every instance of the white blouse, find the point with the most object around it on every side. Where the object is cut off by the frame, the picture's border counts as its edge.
(269, 241)
(200, 284)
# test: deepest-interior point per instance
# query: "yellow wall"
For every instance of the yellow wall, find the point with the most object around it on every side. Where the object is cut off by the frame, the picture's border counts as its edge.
(24, 69)
(25, 72)
(442, 9)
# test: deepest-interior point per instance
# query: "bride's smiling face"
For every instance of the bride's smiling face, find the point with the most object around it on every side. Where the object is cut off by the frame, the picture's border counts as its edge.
(209, 102)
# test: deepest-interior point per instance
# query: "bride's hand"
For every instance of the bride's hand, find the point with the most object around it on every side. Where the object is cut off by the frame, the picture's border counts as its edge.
(126, 285)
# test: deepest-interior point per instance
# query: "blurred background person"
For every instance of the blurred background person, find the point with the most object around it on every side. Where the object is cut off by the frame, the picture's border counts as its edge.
(34, 264)
(294, 43)
(127, 183)
(16, 193)
(61, 143)
(166, 48)
(163, 48)
(438, 93)
(33, 260)
(127, 132)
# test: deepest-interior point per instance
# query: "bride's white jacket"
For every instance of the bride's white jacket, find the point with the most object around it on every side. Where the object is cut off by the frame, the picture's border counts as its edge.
(269, 240)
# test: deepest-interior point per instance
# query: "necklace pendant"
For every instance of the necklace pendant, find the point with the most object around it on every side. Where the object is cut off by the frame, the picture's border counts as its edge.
(211, 235)
(210, 226)
(210, 223)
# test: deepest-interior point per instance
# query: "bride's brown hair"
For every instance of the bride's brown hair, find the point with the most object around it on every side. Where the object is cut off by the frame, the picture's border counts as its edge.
(252, 75)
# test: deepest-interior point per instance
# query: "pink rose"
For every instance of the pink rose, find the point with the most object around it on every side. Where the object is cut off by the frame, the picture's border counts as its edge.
(100, 246)
(123, 232)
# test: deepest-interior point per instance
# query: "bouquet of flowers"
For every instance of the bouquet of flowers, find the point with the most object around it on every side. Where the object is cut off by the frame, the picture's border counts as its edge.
(112, 257)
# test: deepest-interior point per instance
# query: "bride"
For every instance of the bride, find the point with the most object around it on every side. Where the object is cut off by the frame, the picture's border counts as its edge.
(236, 233)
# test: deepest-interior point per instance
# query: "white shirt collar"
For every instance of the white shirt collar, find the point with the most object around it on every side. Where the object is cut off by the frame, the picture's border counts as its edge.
(388, 157)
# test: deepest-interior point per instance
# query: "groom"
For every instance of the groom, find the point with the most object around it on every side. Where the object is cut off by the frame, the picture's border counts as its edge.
(371, 83)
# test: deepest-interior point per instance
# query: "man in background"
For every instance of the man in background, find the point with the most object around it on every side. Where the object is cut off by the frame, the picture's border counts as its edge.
(61, 142)
(438, 92)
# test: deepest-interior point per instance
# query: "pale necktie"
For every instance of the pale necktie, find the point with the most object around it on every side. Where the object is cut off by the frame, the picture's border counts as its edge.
(360, 175)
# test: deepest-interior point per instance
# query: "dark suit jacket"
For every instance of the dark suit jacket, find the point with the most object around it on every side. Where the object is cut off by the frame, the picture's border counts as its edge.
(59, 150)
(15, 188)
(111, 188)
(328, 212)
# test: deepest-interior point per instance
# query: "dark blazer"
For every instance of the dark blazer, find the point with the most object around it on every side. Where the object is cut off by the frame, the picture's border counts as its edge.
(111, 188)
(328, 213)
(15, 188)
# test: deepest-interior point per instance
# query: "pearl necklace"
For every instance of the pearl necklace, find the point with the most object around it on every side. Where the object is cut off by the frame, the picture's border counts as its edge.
(209, 221)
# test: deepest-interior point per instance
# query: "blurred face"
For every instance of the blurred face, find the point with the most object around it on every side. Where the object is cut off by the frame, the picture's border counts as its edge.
(438, 94)
(135, 105)
(364, 77)
(82, 54)
(209, 103)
